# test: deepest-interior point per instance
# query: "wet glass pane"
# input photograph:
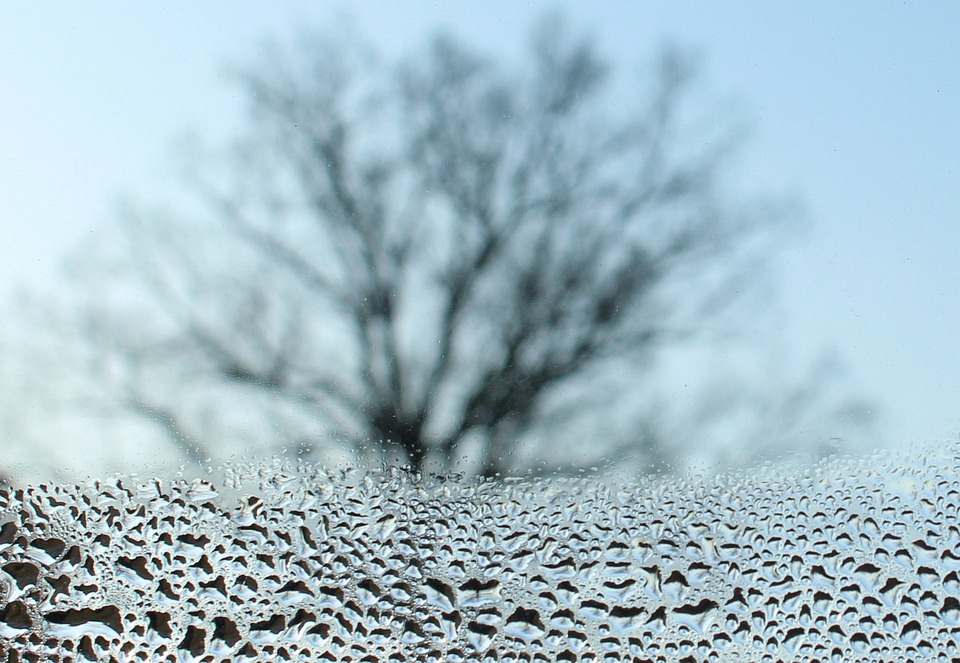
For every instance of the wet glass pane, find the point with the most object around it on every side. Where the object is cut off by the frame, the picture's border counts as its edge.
(553, 332)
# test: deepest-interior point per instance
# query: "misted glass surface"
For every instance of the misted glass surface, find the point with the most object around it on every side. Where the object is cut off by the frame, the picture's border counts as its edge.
(417, 332)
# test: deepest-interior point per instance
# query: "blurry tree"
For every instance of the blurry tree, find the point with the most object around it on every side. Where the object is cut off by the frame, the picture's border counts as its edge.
(440, 264)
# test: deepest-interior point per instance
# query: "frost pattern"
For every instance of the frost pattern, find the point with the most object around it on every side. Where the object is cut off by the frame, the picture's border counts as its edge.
(846, 562)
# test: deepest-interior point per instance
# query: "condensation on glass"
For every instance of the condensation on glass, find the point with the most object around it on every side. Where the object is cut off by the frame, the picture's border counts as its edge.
(851, 560)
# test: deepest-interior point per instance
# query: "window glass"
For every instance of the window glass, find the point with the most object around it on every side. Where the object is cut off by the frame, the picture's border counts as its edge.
(399, 331)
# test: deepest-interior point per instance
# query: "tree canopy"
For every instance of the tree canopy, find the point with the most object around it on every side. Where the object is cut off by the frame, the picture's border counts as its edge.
(441, 262)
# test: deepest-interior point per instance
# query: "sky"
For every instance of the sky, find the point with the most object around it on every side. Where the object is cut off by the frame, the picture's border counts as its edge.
(853, 109)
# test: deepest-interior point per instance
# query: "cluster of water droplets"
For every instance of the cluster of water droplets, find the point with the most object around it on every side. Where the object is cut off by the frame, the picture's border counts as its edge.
(847, 561)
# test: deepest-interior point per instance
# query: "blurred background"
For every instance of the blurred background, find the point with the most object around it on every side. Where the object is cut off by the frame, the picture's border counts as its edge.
(493, 238)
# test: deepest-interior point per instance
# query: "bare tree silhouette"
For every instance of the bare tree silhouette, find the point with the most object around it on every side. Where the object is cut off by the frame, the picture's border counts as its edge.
(431, 261)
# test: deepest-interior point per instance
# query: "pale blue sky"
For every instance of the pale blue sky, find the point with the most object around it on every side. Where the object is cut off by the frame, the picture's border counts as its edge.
(854, 108)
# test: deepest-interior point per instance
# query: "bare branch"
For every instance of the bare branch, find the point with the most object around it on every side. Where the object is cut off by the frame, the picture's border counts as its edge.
(172, 426)
(421, 257)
